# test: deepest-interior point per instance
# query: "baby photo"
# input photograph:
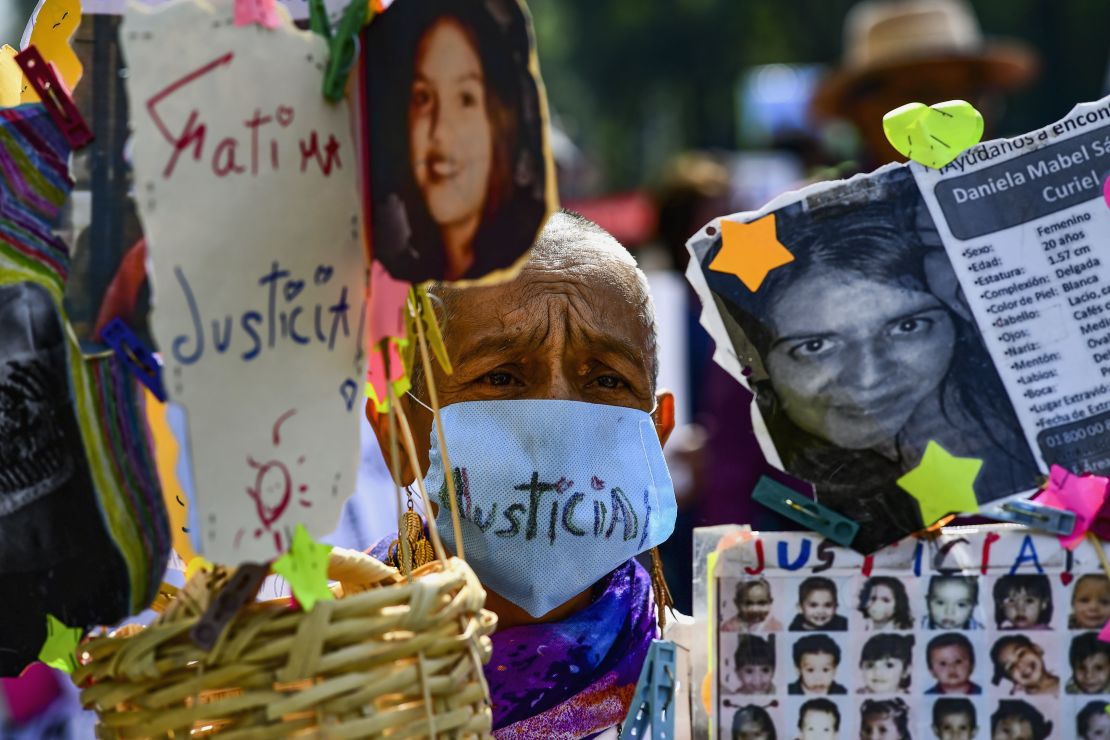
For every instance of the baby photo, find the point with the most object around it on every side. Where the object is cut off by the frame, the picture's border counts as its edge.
(1022, 663)
(951, 602)
(884, 719)
(885, 664)
(1092, 722)
(954, 719)
(1016, 719)
(816, 659)
(950, 659)
(752, 722)
(1090, 602)
(817, 607)
(818, 719)
(884, 604)
(1023, 602)
(748, 608)
(1089, 658)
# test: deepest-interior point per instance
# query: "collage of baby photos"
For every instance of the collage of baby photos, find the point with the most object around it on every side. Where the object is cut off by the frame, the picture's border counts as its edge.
(946, 655)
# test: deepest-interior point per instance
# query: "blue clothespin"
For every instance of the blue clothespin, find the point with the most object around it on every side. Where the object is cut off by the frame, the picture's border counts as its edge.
(807, 512)
(653, 701)
(135, 355)
(1031, 514)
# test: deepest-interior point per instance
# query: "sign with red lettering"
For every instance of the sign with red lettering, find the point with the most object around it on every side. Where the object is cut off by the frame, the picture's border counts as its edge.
(246, 182)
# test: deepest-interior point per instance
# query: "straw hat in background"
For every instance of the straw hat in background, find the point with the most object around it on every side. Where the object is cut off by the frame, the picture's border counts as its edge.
(928, 51)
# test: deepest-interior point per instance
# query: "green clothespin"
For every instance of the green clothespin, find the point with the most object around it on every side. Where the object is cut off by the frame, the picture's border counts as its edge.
(342, 45)
(653, 702)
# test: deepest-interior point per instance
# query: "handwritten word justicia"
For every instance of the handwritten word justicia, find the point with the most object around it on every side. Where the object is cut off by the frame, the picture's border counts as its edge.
(284, 315)
(255, 149)
(595, 513)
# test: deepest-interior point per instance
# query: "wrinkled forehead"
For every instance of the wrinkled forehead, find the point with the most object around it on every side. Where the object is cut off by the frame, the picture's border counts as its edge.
(586, 304)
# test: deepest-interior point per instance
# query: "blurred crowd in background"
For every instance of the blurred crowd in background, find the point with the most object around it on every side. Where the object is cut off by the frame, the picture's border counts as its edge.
(668, 113)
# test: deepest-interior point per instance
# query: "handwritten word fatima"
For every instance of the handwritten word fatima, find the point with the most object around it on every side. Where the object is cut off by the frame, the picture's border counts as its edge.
(281, 319)
(229, 156)
(613, 513)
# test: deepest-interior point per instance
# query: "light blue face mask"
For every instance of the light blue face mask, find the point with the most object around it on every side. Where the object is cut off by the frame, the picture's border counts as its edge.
(553, 495)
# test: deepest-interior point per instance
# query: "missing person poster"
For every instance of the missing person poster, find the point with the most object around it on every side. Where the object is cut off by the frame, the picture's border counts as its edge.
(982, 633)
(966, 306)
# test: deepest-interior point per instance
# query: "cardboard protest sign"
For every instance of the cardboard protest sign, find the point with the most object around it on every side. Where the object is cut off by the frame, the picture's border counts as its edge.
(248, 193)
(959, 307)
(982, 626)
(461, 175)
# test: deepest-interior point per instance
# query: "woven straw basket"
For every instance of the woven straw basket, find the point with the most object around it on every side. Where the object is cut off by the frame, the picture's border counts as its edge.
(389, 658)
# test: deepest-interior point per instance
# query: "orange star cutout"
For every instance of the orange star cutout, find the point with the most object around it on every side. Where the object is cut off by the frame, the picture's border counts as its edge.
(750, 251)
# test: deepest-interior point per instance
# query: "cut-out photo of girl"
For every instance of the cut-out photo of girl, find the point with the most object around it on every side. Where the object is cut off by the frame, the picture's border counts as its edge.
(461, 179)
(863, 349)
(884, 604)
(750, 607)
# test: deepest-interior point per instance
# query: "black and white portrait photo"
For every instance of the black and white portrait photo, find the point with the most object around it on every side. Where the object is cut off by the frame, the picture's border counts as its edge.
(461, 179)
(863, 349)
(55, 552)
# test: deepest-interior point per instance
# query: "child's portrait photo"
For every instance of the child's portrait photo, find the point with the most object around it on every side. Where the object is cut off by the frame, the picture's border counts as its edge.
(954, 719)
(1023, 602)
(884, 719)
(884, 604)
(753, 722)
(816, 658)
(951, 602)
(950, 659)
(1021, 662)
(885, 664)
(750, 603)
(755, 664)
(1018, 720)
(1090, 602)
(818, 719)
(1092, 722)
(817, 605)
(1089, 658)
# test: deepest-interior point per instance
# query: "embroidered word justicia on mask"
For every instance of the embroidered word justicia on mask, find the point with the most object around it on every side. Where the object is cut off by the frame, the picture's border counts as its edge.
(553, 495)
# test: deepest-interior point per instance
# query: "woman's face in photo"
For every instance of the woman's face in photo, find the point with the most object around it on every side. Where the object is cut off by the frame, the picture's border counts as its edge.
(853, 358)
(450, 137)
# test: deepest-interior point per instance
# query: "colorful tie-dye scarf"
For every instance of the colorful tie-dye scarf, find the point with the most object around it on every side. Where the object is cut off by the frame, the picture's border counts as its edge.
(574, 678)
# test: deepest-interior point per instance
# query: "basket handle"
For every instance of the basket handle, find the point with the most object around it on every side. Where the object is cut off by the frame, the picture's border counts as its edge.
(354, 568)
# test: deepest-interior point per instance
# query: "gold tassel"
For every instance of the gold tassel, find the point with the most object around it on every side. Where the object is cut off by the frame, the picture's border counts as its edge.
(663, 598)
(419, 548)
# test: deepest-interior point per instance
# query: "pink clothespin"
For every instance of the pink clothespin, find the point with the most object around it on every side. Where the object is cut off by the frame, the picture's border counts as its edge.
(55, 97)
(262, 12)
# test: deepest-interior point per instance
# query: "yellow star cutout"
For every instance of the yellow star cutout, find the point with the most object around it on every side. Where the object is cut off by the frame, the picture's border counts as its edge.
(305, 567)
(942, 483)
(60, 649)
(750, 251)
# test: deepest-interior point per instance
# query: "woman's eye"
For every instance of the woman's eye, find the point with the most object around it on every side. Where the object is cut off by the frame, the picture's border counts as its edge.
(913, 325)
(468, 99)
(810, 348)
(499, 378)
(420, 98)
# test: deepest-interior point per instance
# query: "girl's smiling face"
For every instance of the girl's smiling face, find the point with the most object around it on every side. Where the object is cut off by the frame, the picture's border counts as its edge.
(1024, 665)
(950, 605)
(885, 675)
(1090, 602)
(879, 728)
(880, 604)
(1098, 727)
(854, 378)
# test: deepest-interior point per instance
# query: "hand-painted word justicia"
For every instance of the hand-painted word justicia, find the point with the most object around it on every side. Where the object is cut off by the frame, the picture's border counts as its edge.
(546, 511)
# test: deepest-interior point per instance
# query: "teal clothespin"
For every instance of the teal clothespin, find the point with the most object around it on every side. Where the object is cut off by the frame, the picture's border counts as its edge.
(807, 512)
(653, 702)
(342, 44)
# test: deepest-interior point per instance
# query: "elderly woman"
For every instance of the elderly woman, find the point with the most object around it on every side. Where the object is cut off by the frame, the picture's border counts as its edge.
(554, 428)
(457, 170)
